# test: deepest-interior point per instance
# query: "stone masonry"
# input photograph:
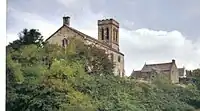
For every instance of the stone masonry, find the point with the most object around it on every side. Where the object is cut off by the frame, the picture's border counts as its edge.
(108, 39)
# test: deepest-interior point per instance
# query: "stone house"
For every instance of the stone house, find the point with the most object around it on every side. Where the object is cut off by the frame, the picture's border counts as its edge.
(149, 71)
(108, 39)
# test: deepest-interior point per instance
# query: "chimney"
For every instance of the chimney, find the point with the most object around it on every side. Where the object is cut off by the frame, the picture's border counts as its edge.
(173, 61)
(66, 20)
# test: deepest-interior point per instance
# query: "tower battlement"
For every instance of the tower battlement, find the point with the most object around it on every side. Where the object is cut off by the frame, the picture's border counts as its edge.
(108, 21)
(108, 32)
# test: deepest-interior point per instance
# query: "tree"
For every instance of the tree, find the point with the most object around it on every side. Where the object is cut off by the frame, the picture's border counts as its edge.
(53, 78)
(33, 85)
(96, 61)
(196, 77)
(27, 37)
(196, 72)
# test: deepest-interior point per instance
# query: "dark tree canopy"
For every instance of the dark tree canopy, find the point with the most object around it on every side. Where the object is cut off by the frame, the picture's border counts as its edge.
(27, 37)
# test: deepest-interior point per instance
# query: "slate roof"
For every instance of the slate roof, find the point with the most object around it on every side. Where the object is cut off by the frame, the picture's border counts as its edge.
(134, 73)
(137, 74)
(158, 67)
(87, 37)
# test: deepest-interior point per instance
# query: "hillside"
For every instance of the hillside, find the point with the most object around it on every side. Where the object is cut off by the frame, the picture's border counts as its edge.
(44, 77)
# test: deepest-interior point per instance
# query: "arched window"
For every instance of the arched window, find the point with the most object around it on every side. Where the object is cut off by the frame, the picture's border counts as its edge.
(119, 59)
(107, 33)
(64, 42)
(113, 34)
(116, 35)
(102, 34)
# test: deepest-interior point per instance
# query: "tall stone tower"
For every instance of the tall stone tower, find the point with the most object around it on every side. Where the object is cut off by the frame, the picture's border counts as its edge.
(108, 32)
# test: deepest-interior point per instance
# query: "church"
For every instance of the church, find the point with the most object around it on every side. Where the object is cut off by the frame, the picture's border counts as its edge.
(168, 69)
(108, 39)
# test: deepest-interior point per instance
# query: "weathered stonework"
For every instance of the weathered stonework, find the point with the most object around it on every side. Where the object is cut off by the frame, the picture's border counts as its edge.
(174, 74)
(110, 43)
(149, 71)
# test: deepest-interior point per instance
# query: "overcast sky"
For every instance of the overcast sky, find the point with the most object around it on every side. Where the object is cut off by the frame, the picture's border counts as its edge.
(151, 31)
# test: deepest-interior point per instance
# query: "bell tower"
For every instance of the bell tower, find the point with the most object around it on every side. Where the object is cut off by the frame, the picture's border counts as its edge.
(108, 32)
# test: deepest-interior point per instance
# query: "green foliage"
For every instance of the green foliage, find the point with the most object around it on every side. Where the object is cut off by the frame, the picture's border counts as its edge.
(43, 87)
(14, 71)
(27, 37)
(52, 78)
(196, 73)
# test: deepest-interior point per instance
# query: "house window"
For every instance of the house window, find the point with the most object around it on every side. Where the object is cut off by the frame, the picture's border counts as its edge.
(64, 42)
(119, 59)
(107, 32)
(102, 34)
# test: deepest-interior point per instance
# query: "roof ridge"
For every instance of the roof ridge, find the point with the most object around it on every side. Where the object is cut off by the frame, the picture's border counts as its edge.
(83, 34)
(159, 63)
(88, 36)
(137, 70)
(54, 33)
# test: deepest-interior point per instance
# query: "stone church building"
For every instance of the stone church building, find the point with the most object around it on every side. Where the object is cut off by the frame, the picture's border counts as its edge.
(108, 39)
(169, 70)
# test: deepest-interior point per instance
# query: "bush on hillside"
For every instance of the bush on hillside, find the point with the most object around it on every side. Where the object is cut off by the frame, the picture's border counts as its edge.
(52, 78)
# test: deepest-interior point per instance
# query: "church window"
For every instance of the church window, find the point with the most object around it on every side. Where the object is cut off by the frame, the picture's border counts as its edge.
(102, 34)
(116, 35)
(119, 59)
(107, 33)
(64, 42)
(113, 34)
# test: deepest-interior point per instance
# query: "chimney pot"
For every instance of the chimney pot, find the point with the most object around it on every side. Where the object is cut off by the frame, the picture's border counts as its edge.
(173, 61)
(66, 20)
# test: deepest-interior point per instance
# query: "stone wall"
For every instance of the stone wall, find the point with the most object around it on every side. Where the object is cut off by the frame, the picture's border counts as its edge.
(64, 32)
(174, 74)
(67, 33)
(113, 30)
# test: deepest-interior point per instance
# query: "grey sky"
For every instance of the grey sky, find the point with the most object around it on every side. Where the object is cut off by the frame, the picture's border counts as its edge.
(166, 23)
(182, 15)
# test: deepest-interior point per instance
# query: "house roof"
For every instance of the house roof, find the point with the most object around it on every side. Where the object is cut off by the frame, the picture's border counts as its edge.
(158, 67)
(136, 72)
(87, 37)
(54, 33)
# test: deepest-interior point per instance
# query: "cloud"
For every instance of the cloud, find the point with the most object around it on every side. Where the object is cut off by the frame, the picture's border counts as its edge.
(139, 45)
(145, 45)
(10, 37)
(165, 15)
(151, 46)
(29, 20)
(71, 3)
